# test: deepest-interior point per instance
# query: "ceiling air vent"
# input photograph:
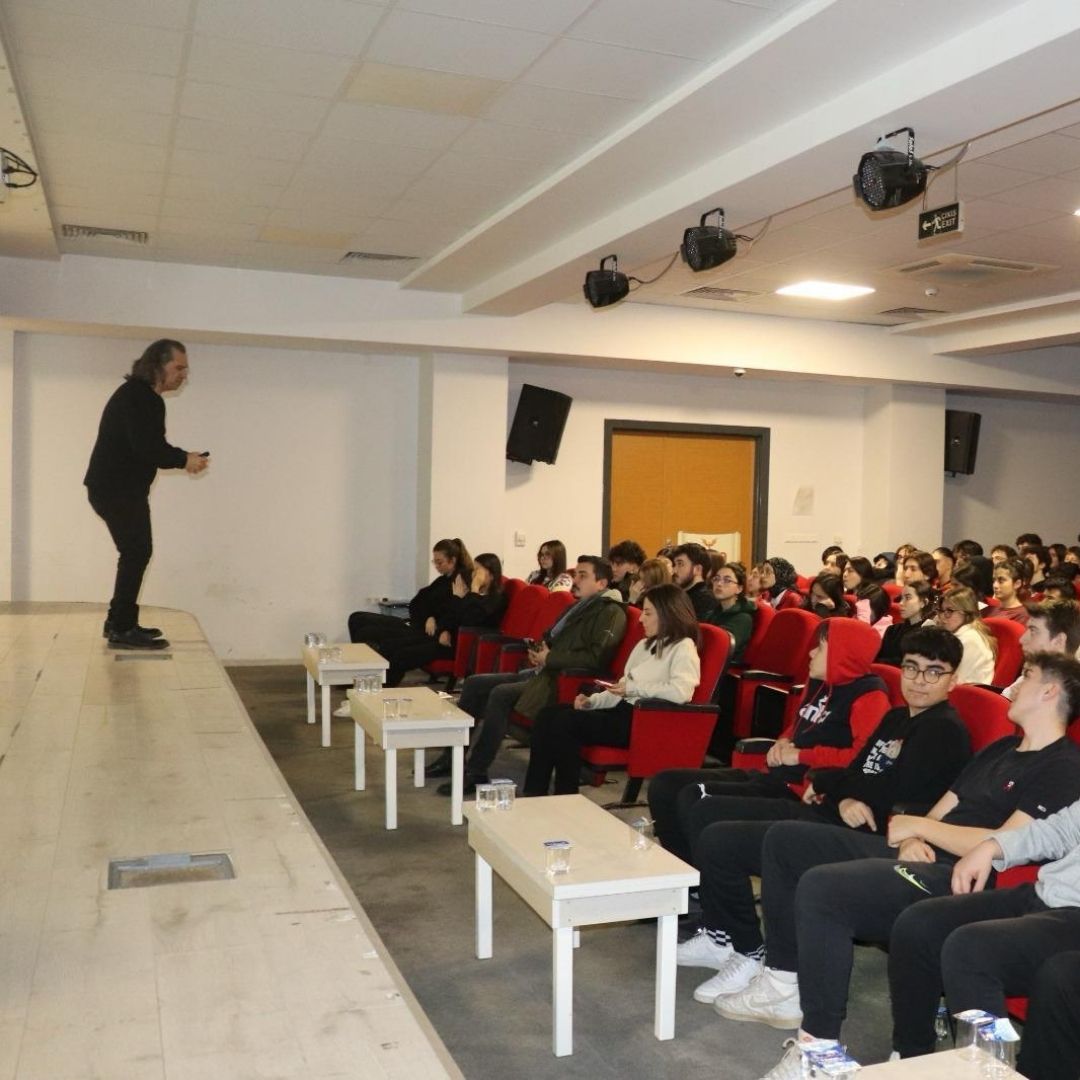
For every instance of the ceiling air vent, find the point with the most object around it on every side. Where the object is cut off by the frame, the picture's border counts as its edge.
(375, 256)
(969, 271)
(92, 232)
(911, 312)
(728, 296)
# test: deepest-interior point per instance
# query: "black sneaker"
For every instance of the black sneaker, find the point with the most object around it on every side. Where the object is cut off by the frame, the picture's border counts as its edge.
(135, 639)
(468, 788)
(149, 631)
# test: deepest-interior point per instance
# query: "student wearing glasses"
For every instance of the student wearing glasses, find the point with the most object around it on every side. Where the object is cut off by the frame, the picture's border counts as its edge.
(824, 889)
(960, 616)
(733, 612)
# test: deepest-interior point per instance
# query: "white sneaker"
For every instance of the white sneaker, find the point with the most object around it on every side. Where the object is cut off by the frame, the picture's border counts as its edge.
(735, 975)
(702, 951)
(789, 1067)
(343, 709)
(767, 1000)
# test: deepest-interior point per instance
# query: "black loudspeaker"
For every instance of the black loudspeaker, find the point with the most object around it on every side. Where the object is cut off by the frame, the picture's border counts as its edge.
(538, 425)
(961, 441)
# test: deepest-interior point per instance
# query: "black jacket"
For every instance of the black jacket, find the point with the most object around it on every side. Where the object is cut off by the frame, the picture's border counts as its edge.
(131, 444)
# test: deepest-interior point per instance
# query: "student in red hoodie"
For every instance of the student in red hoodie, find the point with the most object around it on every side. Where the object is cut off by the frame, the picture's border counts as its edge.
(841, 706)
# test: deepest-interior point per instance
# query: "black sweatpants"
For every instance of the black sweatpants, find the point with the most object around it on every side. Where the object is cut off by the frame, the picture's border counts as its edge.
(128, 521)
(1050, 1049)
(824, 888)
(559, 732)
(981, 948)
(404, 655)
(382, 631)
(727, 851)
(673, 793)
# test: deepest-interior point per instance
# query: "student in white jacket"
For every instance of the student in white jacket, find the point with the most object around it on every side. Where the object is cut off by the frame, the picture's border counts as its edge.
(664, 664)
(960, 616)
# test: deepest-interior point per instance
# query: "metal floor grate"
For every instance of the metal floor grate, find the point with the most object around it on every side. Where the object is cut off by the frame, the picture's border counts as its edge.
(174, 869)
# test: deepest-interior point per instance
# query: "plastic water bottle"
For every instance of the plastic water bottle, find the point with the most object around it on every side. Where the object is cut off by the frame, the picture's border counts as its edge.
(942, 1031)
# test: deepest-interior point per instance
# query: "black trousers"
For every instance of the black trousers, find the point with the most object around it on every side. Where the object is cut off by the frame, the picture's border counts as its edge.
(823, 888)
(405, 654)
(379, 631)
(128, 521)
(557, 736)
(1051, 1046)
(980, 948)
(728, 851)
(673, 792)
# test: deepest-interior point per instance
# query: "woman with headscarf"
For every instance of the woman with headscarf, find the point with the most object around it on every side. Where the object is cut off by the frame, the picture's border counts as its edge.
(778, 577)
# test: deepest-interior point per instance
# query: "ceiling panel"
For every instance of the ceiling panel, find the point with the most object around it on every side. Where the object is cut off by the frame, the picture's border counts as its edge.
(548, 17)
(549, 109)
(332, 26)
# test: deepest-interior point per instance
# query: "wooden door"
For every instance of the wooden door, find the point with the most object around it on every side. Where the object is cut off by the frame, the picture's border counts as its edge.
(664, 482)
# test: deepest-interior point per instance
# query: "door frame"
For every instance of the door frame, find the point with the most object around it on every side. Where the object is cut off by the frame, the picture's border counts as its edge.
(760, 436)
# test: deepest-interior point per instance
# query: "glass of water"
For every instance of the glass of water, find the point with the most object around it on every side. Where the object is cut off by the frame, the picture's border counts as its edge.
(557, 856)
(404, 707)
(505, 790)
(641, 834)
(390, 708)
(314, 640)
(485, 796)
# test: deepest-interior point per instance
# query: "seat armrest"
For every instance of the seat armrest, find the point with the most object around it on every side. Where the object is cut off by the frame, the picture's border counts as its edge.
(754, 746)
(660, 705)
(755, 675)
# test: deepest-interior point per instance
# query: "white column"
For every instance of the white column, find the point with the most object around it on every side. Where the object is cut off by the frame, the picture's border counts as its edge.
(7, 459)
(903, 468)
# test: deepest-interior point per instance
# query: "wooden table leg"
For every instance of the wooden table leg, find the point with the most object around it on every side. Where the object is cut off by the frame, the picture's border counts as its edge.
(483, 909)
(391, 789)
(666, 940)
(310, 700)
(562, 990)
(326, 714)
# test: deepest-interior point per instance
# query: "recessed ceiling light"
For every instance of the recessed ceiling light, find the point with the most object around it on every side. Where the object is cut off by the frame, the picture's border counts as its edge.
(824, 290)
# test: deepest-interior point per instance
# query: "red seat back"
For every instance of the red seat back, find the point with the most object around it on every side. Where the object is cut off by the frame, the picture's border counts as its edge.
(984, 713)
(552, 606)
(634, 633)
(714, 649)
(892, 590)
(785, 649)
(1010, 657)
(894, 613)
(522, 609)
(892, 679)
(763, 617)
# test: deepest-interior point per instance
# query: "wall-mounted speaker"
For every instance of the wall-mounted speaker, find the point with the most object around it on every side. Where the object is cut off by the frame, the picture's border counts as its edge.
(961, 441)
(538, 425)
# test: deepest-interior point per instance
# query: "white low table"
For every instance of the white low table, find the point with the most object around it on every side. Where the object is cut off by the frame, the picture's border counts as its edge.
(433, 721)
(947, 1065)
(609, 881)
(355, 660)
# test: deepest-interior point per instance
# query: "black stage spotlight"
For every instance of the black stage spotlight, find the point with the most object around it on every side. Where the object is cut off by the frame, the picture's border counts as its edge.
(887, 177)
(604, 287)
(705, 247)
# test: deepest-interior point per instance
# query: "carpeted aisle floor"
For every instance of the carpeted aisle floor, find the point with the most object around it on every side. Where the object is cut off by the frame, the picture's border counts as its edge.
(416, 885)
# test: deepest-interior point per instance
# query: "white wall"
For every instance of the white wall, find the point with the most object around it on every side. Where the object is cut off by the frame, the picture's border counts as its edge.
(816, 443)
(1025, 477)
(307, 510)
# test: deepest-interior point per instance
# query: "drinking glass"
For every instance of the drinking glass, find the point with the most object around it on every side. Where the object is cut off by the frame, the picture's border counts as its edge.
(314, 640)
(967, 1032)
(485, 797)
(557, 855)
(505, 790)
(390, 708)
(641, 834)
(404, 706)
(998, 1057)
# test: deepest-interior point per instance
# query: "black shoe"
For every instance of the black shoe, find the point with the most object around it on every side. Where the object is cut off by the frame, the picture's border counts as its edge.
(148, 631)
(441, 766)
(135, 639)
(468, 788)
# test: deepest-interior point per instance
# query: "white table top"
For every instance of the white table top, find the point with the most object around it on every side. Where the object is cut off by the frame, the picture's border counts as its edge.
(427, 711)
(602, 862)
(362, 657)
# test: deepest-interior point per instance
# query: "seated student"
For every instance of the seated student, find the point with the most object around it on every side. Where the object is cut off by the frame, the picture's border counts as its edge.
(952, 938)
(1072, 555)
(1000, 552)
(451, 560)
(944, 561)
(826, 596)
(858, 574)
(1008, 589)
(977, 574)
(1053, 626)
(913, 755)
(828, 558)
(960, 616)
(919, 566)
(626, 558)
(551, 569)
(885, 566)
(1057, 556)
(841, 706)
(664, 664)
(1039, 557)
(652, 572)
(690, 565)
(778, 580)
(824, 889)
(1058, 588)
(918, 607)
(755, 590)
(481, 602)
(874, 608)
(963, 550)
(835, 564)
(585, 636)
(733, 612)
(1027, 538)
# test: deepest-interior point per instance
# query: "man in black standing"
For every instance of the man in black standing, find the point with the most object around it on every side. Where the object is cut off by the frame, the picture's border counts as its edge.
(130, 448)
